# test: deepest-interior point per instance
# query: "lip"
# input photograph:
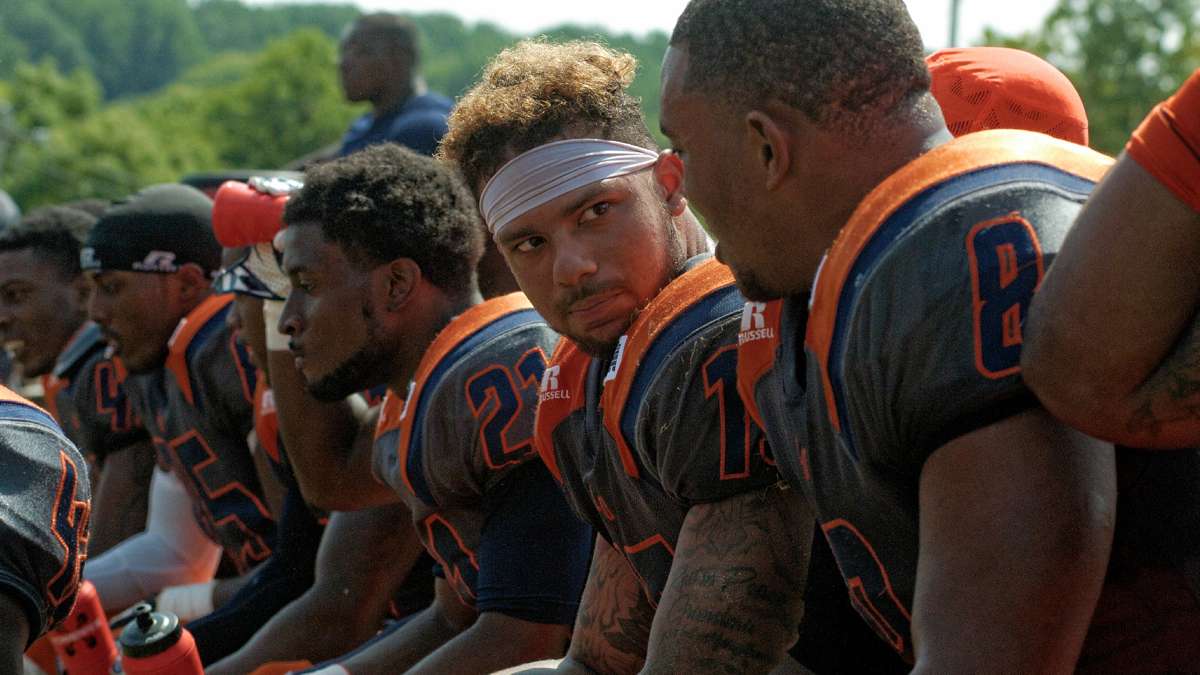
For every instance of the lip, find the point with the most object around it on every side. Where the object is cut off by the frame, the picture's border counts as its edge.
(597, 310)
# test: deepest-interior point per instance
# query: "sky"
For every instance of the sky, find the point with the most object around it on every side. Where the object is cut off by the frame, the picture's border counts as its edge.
(643, 16)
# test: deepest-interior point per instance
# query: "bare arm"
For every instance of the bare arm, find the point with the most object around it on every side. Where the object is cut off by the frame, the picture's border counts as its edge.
(734, 598)
(121, 497)
(398, 651)
(14, 631)
(495, 641)
(1112, 342)
(364, 557)
(329, 444)
(612, 629)
(1016, 526)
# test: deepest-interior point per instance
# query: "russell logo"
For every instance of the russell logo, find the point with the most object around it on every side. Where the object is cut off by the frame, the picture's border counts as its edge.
(754, 323)
(549, 389)
(157, 261)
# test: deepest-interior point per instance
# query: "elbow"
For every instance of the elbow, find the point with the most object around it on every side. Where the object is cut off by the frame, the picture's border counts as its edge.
(1082, 398)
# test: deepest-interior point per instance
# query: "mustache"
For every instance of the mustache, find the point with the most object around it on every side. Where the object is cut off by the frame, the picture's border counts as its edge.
(583, 292)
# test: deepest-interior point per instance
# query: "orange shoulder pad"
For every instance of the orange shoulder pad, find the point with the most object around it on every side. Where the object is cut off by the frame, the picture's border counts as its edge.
(678, 296)
(391, 410)
(562, 392)
(458, 330)
(266, 420)
(182, 338)
(963, 155)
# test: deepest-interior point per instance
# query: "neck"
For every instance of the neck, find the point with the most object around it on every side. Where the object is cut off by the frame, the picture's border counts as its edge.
(413, 344)
(393, 97)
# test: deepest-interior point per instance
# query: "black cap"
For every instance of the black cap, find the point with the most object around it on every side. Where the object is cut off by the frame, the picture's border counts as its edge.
(159, 229)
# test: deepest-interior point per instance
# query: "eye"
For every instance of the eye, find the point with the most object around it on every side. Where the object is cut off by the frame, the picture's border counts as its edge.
(595, 211)
(14, 296)
(529, 244)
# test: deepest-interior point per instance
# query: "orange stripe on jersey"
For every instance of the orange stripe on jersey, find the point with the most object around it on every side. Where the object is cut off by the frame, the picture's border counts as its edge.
(391, 412)
(266, 419)
(182, 337)
(758, 341)
(965, 154)
(460, 328)
(52, 386)
(562, 392)
(678, 295)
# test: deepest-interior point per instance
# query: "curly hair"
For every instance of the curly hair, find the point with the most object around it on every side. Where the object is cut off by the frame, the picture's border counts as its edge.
(388, 202)
(537, 91)
(55, 233)
(834, 60)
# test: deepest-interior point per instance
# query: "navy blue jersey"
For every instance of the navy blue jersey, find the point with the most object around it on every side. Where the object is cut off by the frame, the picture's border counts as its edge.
(639, 438)
(198, 410)
(418, 125)
(459, 451)
(45, 501)
(86, 394)
(913, 340)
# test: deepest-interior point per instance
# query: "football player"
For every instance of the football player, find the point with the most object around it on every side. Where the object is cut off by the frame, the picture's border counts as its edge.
(44, 508)
(43, 319)
(897, 400)
(150, 261)
(381, 249)
(702, 552)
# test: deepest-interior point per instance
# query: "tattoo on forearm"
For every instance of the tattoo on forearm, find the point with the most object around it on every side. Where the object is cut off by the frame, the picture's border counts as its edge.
(613, 625)
(735, 595)
(1172, 393)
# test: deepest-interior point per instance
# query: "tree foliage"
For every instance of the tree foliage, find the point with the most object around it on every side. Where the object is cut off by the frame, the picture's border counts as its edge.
(1123, 56)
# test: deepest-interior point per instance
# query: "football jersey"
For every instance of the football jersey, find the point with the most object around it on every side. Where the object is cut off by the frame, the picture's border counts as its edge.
(913, 339)
(458, 450)
(85, 392)
(45, 501)
(198, 410)
(639, 438)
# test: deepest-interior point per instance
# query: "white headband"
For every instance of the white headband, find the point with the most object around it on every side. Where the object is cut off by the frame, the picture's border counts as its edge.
(550, 171)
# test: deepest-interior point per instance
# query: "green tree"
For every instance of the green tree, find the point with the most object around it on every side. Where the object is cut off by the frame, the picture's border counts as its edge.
(1123, 56)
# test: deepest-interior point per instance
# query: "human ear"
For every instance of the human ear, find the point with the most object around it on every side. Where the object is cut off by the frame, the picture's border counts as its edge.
(403, 275)
(772, 139)
(668, 181)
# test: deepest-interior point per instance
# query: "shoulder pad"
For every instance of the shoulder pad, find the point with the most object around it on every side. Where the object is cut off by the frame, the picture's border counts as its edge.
(685, 305)
(562, 392)
(207, 316)
(758, 343)
(86, 339)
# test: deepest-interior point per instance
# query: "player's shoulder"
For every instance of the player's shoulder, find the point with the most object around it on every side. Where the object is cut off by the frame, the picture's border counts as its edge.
(700, 301)
(85, 347)
(496, 331)
(18, 410)
(204, 354)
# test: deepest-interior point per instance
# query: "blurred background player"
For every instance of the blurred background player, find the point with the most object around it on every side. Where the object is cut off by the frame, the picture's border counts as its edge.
(911, 377)
(44, 508)
(639, 418)
(289, 571)
(43, 321)
(150, 260)
(381, 248)
(1113, 335)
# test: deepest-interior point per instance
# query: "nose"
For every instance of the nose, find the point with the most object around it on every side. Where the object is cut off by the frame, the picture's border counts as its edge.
(573, 262)
(290, 322)
(98, 309)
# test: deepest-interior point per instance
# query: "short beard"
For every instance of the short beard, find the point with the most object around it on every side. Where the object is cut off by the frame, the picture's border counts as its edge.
(360, 371)
(676, 256)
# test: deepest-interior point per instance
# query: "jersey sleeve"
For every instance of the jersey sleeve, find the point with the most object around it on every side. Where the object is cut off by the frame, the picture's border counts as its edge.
(490, 404)
(923, 345)
(696, 434)
(542, 583)
(107, 421)
(44, 508)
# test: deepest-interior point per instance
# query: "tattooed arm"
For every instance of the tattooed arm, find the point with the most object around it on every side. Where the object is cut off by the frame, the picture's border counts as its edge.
(1112, 342)
(735, 594)
(614, 618)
